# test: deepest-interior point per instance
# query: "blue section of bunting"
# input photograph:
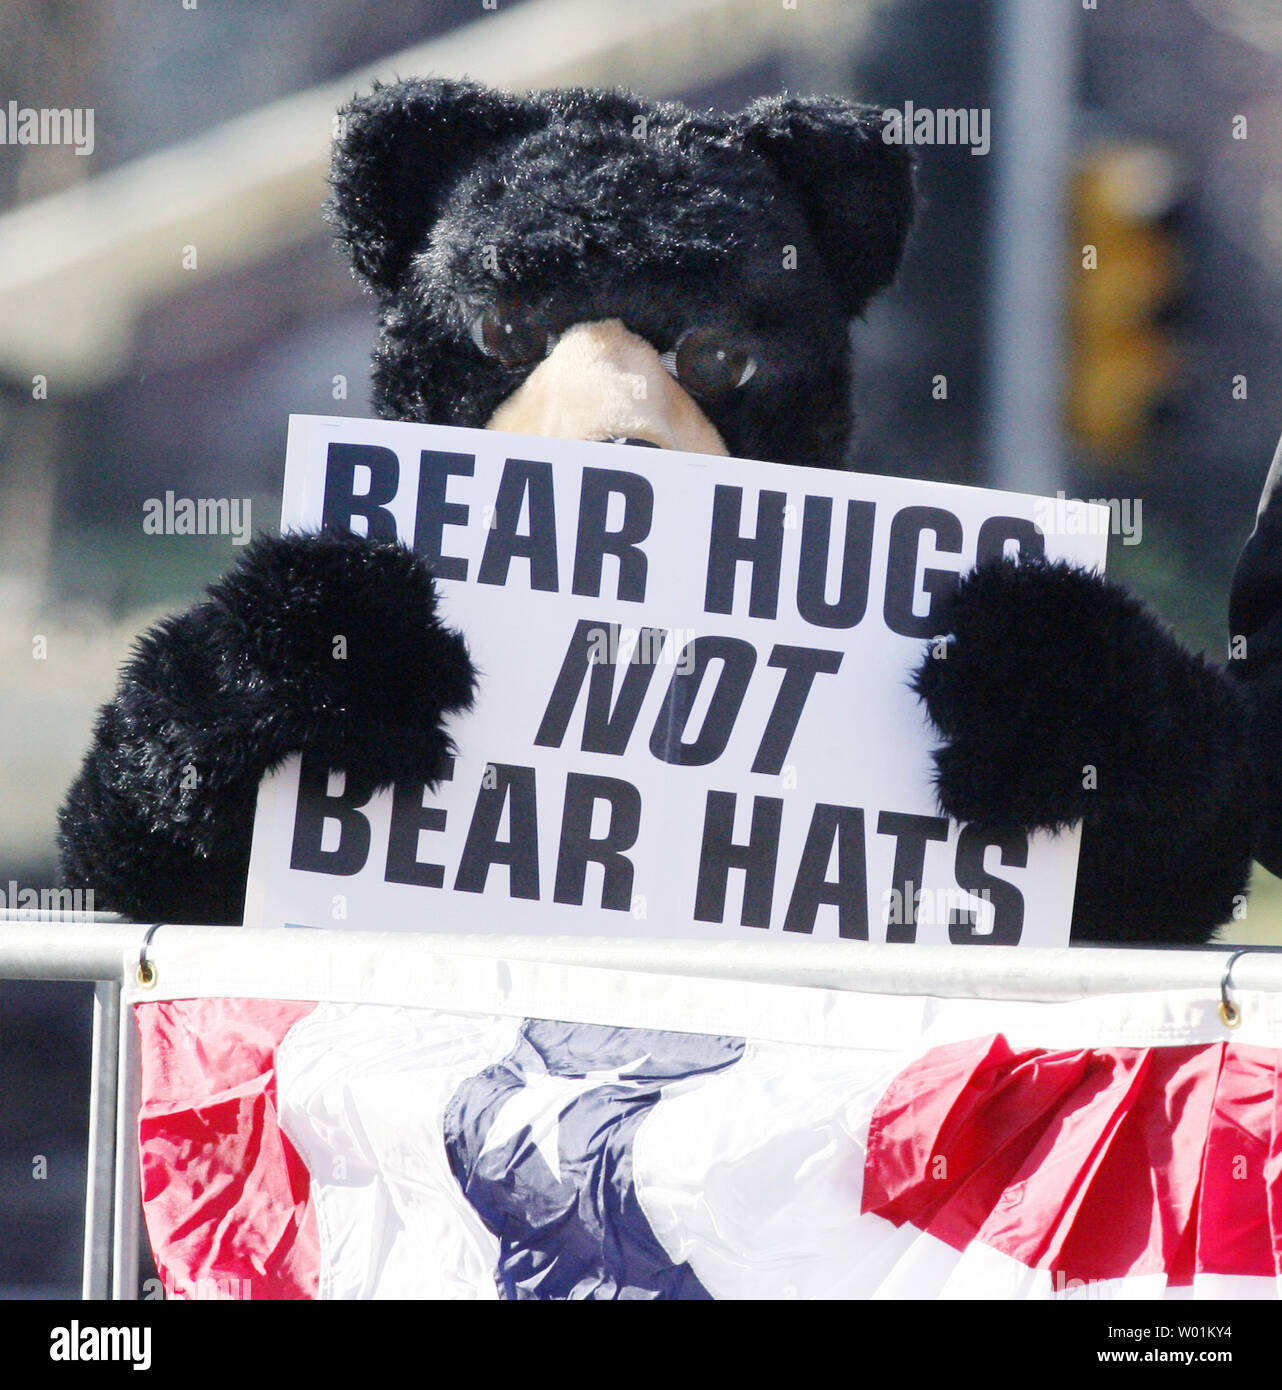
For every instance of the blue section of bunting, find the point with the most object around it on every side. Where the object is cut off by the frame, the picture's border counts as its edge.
(541, 1144)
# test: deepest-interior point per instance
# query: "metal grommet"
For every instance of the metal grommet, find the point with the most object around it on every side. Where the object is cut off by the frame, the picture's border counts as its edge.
(146, 974)
(1230, 1014)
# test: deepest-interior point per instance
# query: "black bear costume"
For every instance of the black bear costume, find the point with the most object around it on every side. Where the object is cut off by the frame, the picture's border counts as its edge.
(533, 257)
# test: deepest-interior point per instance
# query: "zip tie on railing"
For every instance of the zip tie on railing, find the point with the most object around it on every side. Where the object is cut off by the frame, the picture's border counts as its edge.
(1230, 1014)
(146, 970)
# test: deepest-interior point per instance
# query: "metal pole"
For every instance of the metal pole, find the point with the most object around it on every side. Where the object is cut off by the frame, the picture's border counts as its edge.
(996, 972)
(1032, 146)
(37, 946)
(126, 1199)
(102, 1140)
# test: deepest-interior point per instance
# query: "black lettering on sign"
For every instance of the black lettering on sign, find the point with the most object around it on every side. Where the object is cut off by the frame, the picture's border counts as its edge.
(315, 807)
(856, 563)
(667, 740)
(801, 665)
(409, 817)
(912, 835)
(522, 479)
(578, 848)
(1007, 901)
(606, 727)
(844, 826)
(434, 513)
(901, 569)
(342, 502)
(997, 530)
(757, 859)
(594, 542)
(511, 787)
(727, 549)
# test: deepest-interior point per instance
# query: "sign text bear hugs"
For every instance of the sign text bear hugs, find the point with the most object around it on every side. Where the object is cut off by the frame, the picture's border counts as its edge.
(693, 716)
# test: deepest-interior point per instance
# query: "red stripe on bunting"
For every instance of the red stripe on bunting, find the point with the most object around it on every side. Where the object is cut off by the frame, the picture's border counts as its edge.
(1092, 1164)
(225, 1194)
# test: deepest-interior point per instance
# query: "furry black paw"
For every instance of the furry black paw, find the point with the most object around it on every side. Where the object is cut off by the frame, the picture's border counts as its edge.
(333, 645)
(1061, 699)
(327, 644)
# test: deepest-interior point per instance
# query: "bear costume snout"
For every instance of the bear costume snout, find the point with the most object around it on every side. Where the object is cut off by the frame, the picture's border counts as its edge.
(601, 382)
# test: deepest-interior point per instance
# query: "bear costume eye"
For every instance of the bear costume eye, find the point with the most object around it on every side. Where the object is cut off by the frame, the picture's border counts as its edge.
(707, 364)
(507, 333)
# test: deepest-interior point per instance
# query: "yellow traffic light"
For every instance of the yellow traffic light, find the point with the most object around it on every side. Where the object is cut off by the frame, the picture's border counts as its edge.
(1121, 361)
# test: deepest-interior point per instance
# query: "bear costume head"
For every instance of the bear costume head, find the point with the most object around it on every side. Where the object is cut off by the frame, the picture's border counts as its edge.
(590, 265)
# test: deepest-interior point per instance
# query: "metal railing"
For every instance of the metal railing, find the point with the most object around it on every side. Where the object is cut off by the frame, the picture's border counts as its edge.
(105, 950)
(38, 946)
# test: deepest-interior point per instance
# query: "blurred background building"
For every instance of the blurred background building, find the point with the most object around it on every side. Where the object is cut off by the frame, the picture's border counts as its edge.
(169, 298)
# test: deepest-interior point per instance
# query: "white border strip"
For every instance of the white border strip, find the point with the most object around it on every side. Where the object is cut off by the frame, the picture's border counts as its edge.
(396, 970)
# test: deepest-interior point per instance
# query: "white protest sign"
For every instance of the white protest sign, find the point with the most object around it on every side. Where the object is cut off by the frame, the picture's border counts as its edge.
(693, 717)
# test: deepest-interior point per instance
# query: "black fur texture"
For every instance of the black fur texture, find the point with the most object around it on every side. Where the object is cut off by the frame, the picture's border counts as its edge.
(326, 643)
(1061, 700)
(585, 205)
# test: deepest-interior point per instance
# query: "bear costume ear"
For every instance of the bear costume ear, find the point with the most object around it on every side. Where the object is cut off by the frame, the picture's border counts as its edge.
(855, 188)
(396, 155)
